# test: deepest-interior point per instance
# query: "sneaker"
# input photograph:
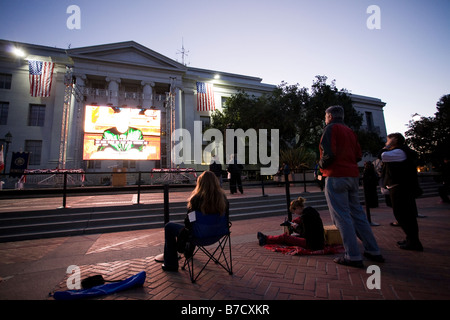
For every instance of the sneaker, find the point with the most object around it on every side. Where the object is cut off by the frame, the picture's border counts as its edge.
(349, 263)
(262, 239)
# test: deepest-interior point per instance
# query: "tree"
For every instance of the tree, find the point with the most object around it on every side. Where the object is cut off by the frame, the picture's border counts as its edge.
(371, 143)
(298, 114)
(430, 136)
(324, 95)
(298, 158)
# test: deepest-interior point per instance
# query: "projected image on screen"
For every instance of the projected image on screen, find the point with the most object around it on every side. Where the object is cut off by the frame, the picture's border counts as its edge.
(112, 133)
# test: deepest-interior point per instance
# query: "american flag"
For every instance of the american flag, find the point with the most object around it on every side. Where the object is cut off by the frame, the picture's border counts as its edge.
(41, 74)
(2, 162)
(205, 97)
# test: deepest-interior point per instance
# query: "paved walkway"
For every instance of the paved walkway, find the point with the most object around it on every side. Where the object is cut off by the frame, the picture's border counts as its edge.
(31, 269)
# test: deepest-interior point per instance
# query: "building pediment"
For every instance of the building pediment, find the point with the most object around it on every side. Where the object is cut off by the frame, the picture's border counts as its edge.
(126, 52)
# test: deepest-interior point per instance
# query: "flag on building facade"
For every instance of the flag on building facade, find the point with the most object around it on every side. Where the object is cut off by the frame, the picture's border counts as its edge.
(2, 162)
(205, 97)
(19, 163)
(41, 75)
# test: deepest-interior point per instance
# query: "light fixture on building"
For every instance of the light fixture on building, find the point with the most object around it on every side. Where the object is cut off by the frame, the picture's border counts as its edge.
(18, 52)
(8, 137)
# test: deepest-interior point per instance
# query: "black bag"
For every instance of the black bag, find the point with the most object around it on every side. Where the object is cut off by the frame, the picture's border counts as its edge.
(92, 281)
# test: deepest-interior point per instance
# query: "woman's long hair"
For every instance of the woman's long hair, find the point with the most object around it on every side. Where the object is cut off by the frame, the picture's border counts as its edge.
(208, 196)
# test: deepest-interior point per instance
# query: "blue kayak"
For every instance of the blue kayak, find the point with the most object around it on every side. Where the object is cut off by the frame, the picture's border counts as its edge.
(104, 289)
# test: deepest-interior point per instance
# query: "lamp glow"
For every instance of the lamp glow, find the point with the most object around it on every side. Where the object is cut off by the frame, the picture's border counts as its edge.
(18, 52)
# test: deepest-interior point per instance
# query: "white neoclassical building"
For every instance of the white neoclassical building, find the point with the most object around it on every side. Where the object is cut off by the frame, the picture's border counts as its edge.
(94, 83)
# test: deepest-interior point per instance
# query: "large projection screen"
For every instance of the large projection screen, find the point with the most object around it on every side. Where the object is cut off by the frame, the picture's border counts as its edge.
(112, 133)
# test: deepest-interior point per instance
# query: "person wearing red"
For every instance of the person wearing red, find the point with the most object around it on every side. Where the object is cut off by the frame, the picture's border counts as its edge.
(308, 225)
(339, 155)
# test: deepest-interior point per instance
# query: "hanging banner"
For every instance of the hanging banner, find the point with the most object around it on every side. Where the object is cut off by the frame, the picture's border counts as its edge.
(19, 163)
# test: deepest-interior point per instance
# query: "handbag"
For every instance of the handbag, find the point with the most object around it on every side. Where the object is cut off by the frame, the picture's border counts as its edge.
(94, 281)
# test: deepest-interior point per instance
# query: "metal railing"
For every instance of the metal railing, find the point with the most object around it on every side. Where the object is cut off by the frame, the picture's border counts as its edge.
(251, 178)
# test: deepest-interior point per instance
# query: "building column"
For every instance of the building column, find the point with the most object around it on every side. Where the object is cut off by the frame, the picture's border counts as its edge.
(147, 91)
(75, 147)
(178, 108)
(113, 91)
(51, 146)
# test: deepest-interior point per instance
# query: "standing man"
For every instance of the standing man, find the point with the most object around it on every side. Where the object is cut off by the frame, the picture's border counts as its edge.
(216, 167)
(400, 178)
(235, 170)
(443, 190)
(339, 155)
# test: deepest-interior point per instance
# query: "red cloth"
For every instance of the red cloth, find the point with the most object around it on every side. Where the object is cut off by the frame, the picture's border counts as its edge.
(296, 250)
(285, 239)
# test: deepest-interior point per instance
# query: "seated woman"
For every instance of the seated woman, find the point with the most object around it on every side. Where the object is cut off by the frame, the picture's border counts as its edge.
(208, 198)
(308, 225)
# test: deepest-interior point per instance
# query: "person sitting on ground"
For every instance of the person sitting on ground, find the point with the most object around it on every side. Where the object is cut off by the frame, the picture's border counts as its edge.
(308, 225)
(207, 197)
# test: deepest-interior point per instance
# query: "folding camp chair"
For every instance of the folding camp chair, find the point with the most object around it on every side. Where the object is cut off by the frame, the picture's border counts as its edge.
(208, 230)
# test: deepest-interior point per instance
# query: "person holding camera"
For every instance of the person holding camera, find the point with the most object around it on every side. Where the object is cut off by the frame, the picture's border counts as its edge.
(308, 225)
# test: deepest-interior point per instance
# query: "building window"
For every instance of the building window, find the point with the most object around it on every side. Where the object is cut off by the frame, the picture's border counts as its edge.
(206, 122)
(34, 147)
(5, 81)
(224, 102)
(94, 164)
(97, 84)
(130, 164)
(369, 122)
(4, 108)
(36, 116)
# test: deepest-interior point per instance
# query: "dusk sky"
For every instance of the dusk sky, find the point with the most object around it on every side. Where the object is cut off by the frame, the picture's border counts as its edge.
(405, 62)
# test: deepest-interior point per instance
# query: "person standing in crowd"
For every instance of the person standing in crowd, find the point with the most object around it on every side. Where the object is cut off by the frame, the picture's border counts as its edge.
(235, 170)
(445, 188)
(216, 167)
(318, 176)
(400, 178)
(370, 183)
(339, 155)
